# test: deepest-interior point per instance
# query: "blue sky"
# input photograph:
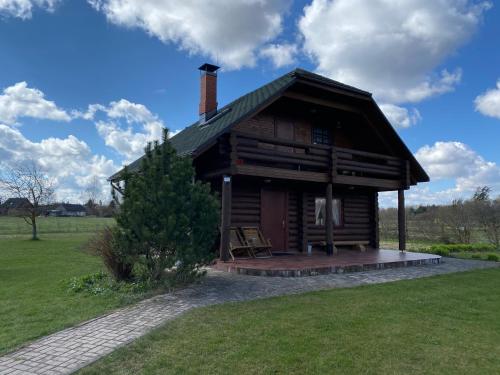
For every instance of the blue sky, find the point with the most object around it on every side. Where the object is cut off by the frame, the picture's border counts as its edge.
(433, 67)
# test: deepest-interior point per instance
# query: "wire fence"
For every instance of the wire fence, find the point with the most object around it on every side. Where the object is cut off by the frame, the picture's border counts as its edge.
(49, 225)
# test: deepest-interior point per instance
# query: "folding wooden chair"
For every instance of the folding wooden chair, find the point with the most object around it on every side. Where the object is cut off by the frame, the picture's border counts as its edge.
(238, 245)
(254, 237)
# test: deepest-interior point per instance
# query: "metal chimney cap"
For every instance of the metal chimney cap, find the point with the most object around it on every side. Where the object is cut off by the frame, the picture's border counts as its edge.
(209, 68)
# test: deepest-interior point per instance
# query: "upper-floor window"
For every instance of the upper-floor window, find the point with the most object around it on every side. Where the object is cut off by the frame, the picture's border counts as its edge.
(321, 135)
(320, 211)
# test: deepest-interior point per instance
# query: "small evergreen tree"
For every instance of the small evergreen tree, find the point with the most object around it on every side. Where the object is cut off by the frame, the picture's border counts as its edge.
(166, 218)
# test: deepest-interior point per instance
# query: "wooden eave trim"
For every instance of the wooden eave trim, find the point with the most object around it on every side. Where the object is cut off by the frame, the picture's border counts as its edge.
(319, 101)
(328, 87)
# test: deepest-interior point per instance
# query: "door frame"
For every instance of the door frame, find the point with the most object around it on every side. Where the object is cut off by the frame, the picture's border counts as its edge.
(286, 195)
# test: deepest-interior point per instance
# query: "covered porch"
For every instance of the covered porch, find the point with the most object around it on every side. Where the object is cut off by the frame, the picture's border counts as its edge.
(298, 264)
(303, 195)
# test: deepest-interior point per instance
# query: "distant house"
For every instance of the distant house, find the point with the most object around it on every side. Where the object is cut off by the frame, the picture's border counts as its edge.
(68, 209)
(13, 205)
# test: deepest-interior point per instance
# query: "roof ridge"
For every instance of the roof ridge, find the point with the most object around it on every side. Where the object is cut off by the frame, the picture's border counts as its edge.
(308, 74)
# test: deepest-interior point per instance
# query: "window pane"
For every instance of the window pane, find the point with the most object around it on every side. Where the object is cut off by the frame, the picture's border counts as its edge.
(321, 135)
(319, 210)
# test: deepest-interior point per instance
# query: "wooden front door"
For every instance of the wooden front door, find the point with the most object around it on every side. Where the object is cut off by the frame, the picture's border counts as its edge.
(273, 217)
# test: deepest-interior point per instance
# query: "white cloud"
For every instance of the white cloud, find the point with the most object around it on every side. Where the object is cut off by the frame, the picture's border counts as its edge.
(390, 47)
(24, 8)
(68, 161)
(126, 127)
(449, 160)
(20, 100)
(489, 102)
(227, 31)
(453, 166)
(280, 54)
(400, 117)
(119, 128)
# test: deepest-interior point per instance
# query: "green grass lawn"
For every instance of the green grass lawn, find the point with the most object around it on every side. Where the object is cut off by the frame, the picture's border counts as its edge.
(442, 325)
(34, 299)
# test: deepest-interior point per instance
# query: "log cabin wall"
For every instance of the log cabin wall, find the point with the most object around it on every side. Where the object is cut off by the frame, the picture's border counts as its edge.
(246, 206)
(358, 206)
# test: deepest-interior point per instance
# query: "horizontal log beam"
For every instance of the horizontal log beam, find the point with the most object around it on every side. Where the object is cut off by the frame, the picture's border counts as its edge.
(281, 159)
(367, 154)
(367, 165)
(269, 172)
(367, 181)
(274, 152)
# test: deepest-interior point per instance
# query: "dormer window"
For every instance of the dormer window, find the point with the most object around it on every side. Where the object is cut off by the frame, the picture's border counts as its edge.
(321, 135)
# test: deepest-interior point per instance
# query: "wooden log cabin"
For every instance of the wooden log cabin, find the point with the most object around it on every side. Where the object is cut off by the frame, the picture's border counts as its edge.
(303, 158)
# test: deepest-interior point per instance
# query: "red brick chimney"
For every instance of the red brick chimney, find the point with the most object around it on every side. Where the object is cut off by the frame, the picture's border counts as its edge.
(208, 91)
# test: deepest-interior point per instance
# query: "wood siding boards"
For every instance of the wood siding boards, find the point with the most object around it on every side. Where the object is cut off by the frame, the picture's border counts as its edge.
(261, 125)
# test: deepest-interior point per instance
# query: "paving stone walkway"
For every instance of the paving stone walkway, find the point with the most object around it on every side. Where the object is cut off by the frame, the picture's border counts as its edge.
(71, 349)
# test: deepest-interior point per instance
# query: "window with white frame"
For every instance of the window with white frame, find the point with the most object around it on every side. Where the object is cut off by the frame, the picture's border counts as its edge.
(320, 211)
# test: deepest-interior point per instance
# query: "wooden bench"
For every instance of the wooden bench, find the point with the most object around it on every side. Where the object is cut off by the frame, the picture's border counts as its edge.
(357, 245)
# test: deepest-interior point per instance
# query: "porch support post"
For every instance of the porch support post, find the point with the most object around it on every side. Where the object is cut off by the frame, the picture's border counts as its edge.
(329, 220)
(225, 226)
(401, 220)
(376, 241)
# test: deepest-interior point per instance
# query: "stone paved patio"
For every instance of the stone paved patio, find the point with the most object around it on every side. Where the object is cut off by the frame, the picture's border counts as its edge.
(67, 351)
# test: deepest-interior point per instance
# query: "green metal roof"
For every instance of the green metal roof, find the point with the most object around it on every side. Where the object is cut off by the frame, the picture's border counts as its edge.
(194, 137)
(198, 134)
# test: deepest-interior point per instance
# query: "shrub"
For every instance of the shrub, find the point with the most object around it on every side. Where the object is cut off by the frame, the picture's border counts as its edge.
(454, 248)
(493, 257)
(105, 244)
(102, 283)
(92, 283)
(167, 220)
(476, 256)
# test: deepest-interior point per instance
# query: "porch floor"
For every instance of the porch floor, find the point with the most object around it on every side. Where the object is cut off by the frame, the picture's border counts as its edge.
(294, 265)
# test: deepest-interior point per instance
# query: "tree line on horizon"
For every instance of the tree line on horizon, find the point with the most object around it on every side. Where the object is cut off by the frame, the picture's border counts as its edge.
(463, 221)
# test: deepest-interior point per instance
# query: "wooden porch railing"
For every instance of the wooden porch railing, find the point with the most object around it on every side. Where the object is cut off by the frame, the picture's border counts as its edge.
(280, 153)
(368, 164)
(287, 155)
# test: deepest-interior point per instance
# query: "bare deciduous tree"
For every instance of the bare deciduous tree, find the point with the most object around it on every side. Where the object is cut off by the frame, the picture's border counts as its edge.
(462, 221)
(487, 213)
(93, 191)
(29, 182)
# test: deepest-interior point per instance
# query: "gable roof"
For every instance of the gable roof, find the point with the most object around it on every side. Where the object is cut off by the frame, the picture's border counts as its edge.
(194, 138)
(16, 203)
